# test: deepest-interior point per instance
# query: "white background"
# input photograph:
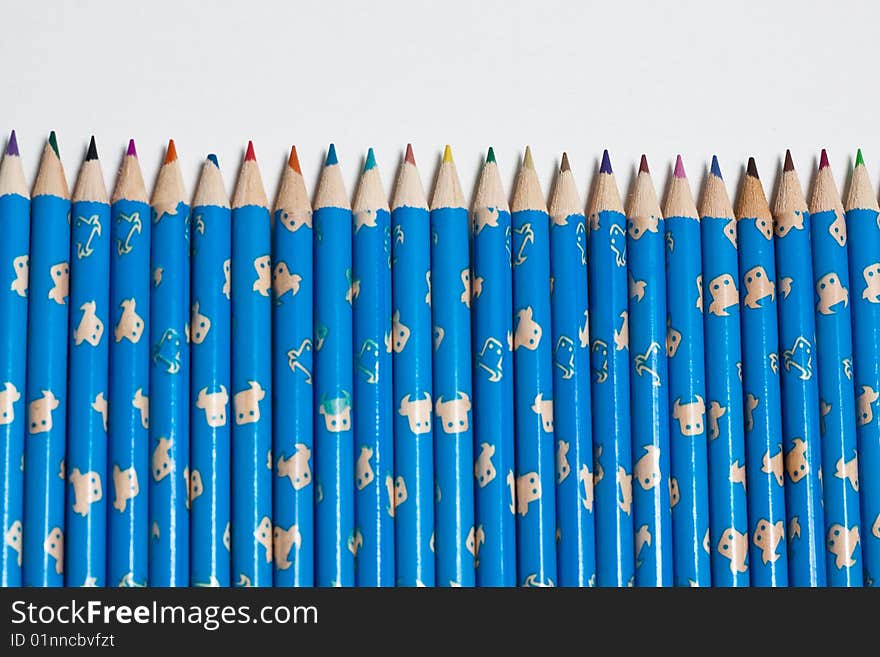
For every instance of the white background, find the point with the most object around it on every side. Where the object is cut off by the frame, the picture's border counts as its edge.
(736, 78)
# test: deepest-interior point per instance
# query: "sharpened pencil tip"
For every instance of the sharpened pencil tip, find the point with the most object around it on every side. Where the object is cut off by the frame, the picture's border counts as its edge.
(53, 142)
(370, 162)
(331, 156)
(213, 160)
(789, 163)
(293, 160)
(823, 159)
(859, 160)
(643, 164)
(606, 163)
(92, 153)
(715, 169)
(490, 156)
(170, 152)
(528, 162)
(132, 149)
(409, 157)
(12, 146)
(250, 155)
(447, 154)
(565, 166)
(752, 169)
(679, 168)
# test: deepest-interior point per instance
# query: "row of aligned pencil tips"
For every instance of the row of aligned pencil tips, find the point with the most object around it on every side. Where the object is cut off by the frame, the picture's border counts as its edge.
(342, 393)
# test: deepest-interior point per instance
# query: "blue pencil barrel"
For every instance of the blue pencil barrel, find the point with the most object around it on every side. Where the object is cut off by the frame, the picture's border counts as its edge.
(533, 401)
(129, 399)
(456, 535)
(293, 406)
(251, 397)
(687, 406)
(14, 249)
(46, 391)
(863, 241)
(609, 359)
(373, 398)
(834, 357)
(173, 480)
(728, 507)
(762, 415)
(90, 331)
(492, 312)
(800, 399)
(652, 517)
(413, 431)
(334, 439)
(210, 547)
(576, 551)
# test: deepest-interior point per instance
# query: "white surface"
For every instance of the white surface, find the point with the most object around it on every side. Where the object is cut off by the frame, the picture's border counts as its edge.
(696, 77)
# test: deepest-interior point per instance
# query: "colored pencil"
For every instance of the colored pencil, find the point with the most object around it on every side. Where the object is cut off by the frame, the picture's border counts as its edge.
(129, 405)
(411, 342)
(210, 554)
(252, 534)
(576, 549)
(47, 373)
(533, 381)
(800, 394)
(373, 394)
(863, 241)
(334, 438)
(609, 358)
(491, 330)
(14, 249)
(652, 515)
(834, 357)
(86, 460)
(760, 376)
(687, 393)
(172, 482)
(728, 509)
(293, 406)
(456, 536)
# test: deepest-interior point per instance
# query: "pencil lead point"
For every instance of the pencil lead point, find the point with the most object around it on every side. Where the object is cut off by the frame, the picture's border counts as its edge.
(12, 146)
(716, 170)
(132, 150)
(293, 160)
(789, 163)
(53, 142)
(679, 168)
(92, 153)
(170, 152)
(606, 163)
(528, 162)
(250, 156)
(331, 156)
(213, 160)
(859, 159)
(823, 159)
(490, 156)
(643, 165)
(447, 154)
(409, 157)
(370, 162)
(565, 166)
(752, 169)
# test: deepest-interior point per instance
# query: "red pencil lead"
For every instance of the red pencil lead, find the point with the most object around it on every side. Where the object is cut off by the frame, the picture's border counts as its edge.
(171, 153)
(293, 160)
(409, 155)
(250, 155)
